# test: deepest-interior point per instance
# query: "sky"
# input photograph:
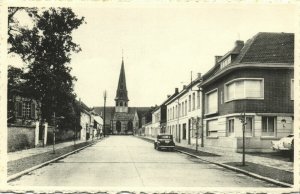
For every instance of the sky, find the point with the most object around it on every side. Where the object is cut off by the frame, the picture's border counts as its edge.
(161, 45)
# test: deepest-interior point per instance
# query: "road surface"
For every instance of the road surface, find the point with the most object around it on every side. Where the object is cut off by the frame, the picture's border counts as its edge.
(125, 161)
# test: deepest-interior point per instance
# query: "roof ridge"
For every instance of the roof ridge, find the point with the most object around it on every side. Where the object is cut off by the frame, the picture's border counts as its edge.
(246, 48)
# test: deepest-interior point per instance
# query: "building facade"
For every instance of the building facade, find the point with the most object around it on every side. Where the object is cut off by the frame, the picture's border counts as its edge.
(253, 83)
(182, 112)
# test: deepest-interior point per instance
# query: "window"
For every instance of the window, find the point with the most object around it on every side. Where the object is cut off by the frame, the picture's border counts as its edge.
(249, 126)
(244, 88)
(212, 130)
(189, 103)
(121, 103)
(211, 102)
(19, 109)
(185, 107)
(182, 109)
(179, 109)
(230, 126)
(198, 99)
(268, 126)
(26, 109)
(176, 114)
(184, 131)
(225, 62)
(194, 101)
(292, 89)
(173, 113)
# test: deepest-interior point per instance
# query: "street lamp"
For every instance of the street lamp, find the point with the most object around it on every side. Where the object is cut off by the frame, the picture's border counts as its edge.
(104, 128)
(54, 129)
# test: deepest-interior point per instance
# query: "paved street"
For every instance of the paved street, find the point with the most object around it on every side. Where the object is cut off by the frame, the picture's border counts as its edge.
(129, 161)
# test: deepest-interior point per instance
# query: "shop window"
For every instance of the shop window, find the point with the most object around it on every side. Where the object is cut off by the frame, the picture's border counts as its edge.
(212, 128)
(268, 126)
(230, 127)
(249, 126)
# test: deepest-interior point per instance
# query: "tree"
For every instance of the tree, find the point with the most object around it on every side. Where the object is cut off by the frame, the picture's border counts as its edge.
(47, 49)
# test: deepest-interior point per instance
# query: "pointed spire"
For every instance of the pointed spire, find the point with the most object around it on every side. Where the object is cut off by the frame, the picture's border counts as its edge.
(122, 89)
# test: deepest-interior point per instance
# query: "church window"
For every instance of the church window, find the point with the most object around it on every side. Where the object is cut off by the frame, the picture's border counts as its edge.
(121, 104)
(125, 103)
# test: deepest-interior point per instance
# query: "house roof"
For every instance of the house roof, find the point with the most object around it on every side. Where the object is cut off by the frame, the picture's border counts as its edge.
(184, 90)
(269, 48)
(264, 48)
(83, 106)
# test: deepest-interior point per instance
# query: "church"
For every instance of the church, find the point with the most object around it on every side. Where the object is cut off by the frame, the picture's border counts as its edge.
(122, 119)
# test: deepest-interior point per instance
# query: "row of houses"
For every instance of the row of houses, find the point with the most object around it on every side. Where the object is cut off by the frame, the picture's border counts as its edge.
(251, 85)
(25, 129)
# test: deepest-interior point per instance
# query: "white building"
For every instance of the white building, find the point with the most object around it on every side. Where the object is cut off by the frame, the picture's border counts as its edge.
(182, 111)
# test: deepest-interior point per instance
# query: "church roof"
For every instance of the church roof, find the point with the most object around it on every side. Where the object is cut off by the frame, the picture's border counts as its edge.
(122, 89)
(110, 113)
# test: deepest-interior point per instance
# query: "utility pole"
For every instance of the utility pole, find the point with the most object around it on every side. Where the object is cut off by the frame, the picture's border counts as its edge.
(243, 121)
(104, 129)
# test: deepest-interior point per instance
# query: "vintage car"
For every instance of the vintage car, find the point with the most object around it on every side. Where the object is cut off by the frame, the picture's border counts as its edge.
(284, 144)
(164, 142)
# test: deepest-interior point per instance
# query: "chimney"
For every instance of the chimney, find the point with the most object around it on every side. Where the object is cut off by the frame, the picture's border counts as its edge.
(168, 96)
(239, 43)
(184, 86)
(217, 58)
(176, 90)
(199, 76)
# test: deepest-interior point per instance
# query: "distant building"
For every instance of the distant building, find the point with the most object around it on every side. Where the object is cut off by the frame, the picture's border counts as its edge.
(255, 79)
(121, 119)
(85, 121)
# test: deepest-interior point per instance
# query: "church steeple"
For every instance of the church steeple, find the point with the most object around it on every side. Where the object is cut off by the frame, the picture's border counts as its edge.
(121, 96)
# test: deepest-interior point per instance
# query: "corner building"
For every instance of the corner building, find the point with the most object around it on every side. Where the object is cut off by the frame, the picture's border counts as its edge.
(255, 79)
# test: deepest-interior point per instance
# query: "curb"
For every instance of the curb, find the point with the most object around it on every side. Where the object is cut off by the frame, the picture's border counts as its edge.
(276, 182)
(273, 181)
(19, 174)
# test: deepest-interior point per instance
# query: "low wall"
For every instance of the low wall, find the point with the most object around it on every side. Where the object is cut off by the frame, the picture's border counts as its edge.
(255, 144)
(20, 137)
(60, 136)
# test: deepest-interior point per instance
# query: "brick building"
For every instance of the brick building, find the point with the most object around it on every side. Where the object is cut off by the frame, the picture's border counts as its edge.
(255, 79)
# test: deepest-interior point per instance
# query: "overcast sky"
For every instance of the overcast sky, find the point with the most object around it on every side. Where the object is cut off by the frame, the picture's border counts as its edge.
(162, 45)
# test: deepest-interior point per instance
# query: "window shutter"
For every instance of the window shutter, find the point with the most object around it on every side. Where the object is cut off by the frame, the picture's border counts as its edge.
(19, 109)
(32, 110)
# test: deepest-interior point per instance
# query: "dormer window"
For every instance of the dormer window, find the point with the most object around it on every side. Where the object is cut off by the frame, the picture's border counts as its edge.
(225, 62)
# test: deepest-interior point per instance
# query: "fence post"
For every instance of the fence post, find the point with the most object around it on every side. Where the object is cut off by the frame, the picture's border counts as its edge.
(45, 133)
(36, 134)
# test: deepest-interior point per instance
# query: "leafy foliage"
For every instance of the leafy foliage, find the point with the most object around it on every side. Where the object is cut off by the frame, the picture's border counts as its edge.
(47, 47)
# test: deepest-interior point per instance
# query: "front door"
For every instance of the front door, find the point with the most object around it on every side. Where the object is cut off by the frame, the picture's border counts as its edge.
(118, 126)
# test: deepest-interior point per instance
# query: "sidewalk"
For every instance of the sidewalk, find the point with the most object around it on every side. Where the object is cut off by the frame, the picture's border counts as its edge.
(11, 156)
(22, 161)
(269, 167)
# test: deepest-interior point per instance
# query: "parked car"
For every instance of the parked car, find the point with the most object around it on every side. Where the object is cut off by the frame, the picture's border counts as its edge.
(284, 144)
(164, 142)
